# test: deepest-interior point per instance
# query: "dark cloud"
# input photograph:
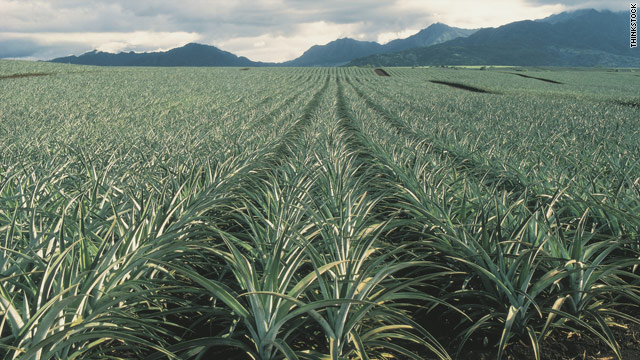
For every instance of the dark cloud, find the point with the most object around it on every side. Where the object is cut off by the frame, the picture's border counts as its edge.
(227, 18)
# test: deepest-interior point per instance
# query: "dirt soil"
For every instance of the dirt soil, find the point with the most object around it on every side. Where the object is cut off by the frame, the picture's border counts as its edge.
(537, 78)
(461, 86)
(382, 72)
(16, 76)
(633, 104)
(565, 345)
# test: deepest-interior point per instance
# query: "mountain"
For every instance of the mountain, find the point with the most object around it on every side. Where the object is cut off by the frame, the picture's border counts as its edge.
(189, 55)
(435, 34)
(340, 52)
(335, 53)
(567, 15)
(584, 38)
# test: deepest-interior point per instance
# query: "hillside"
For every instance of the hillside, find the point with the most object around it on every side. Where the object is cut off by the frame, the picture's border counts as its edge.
(336, 53)
(435, 34)
(340, 52)
(587, 38)
(189, 55)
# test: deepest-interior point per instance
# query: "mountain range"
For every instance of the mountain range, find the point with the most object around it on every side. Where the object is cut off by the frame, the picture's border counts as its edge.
(341, 51)
(189, 55)
(336, 53)
(579, 38)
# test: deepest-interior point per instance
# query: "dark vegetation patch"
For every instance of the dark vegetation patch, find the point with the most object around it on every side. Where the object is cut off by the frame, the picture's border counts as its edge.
(560, 344)
(382, 72)
(537, 78)
(633, 103)
(244, 69)
(565, 345)
(461, 86)
(17, 76)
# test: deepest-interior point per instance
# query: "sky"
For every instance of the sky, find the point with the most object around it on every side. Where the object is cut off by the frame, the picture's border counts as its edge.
(262, 30)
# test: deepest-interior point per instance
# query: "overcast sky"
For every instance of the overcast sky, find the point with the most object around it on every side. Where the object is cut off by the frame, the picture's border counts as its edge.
(262, 30)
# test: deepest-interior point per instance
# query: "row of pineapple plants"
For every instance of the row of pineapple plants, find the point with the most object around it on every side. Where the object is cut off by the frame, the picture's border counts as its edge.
(338, 215)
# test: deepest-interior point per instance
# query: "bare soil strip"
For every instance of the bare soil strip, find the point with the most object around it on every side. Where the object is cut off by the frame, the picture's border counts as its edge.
(461, 86)
(382, 72)
(16, 76)
(299, 126)
(346, 120)
(537, 78)
(244, 69)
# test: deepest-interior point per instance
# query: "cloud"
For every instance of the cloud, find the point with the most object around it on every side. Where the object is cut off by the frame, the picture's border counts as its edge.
(47, 45)
(472, 14)
(15, 48)
(287, 27)
(274, 47)
(266, 30)
(26, 48)
(55, 16)
(385, 37)
(613, 5)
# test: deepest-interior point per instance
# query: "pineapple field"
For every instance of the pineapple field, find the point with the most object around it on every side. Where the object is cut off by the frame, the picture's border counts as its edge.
(319, 213)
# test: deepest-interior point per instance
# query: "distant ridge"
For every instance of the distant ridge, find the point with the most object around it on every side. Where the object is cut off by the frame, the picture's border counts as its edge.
(567, 15)
(189, 55)
(580, 38)
(340, 52)
(435, 34)
(335, 53)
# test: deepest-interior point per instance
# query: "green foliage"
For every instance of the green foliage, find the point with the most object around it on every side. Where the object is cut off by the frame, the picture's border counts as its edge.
(312, 213)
